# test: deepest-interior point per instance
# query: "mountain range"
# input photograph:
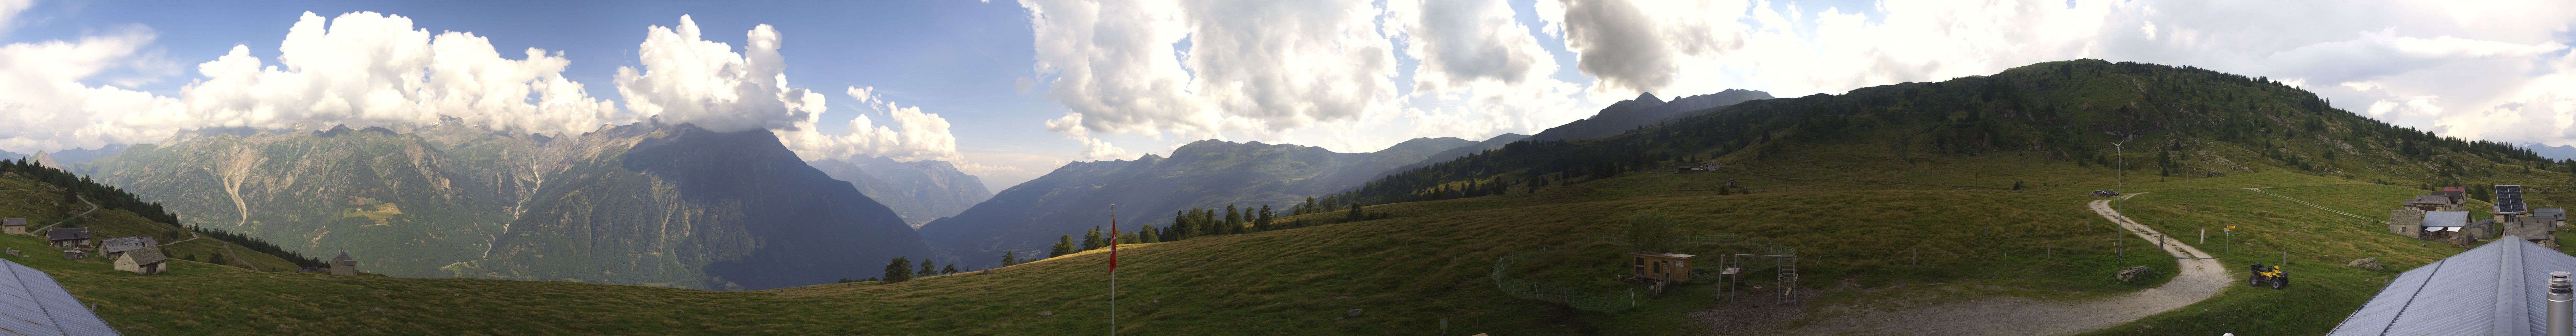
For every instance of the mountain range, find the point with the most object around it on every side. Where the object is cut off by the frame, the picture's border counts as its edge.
(919, 191)
(645, 203)
(1206, 174)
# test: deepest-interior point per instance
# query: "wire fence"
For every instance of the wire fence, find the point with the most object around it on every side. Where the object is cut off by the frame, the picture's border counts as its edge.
(1612, 299)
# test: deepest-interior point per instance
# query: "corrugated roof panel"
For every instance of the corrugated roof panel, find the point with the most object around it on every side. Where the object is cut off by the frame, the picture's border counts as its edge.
(2446, 218)
(19, 312)
(2374, 317)
(60, 314)
(2459, 300)
(2494, 289)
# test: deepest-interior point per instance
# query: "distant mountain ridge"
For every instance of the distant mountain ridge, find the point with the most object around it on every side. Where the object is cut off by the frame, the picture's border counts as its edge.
(2552, 152)
(919, 191)
(1209, 173)
(646, 203)
(1645, 110)
(1493, 143)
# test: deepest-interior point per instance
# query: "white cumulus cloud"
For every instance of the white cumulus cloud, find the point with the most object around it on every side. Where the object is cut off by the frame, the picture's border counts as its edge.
(687, 79)
(367, 69)
(1208, 68)
(911, 134)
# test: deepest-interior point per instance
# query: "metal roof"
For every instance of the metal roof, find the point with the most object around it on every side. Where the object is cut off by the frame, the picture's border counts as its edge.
(2495, 289)
(122, 244)
(2446, 218)
(32, 304)
(2552, 213)
(13, 222)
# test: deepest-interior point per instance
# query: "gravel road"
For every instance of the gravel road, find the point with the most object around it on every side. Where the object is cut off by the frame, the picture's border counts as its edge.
(2201, 278)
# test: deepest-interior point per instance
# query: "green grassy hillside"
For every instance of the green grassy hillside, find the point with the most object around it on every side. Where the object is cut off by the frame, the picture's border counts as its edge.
(1431, 261)
(1983, 202)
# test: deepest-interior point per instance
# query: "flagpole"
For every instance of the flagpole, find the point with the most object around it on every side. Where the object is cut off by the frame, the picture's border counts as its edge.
(1113, 269)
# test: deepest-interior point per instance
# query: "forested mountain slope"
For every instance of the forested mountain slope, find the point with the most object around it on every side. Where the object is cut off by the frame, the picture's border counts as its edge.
(2184, 122)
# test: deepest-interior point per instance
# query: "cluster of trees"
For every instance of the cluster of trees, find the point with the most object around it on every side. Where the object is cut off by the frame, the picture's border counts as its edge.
(900, 270)
(76, 188)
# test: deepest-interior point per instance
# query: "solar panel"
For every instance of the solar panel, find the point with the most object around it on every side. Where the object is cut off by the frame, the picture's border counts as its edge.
(2508, 199)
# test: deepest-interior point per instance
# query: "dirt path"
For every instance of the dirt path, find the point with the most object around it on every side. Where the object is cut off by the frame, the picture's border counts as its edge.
(2201, 278)
(2314, 205)
(40, 232)
(192, 236)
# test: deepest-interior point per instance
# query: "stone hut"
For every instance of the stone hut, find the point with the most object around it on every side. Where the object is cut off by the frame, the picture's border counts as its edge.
(2535, 229)
(343, 265)
(2409, 223)
(15, 226)
(69, 237)
(2556, 216)
(2433, 203)
(116, 247)
(146, 260)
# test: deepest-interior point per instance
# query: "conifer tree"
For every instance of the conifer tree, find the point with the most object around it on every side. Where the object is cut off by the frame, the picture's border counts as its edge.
(899, 270)
(1233, 220)
(1063, 246)
(926, 270)
(950, 269)
(1009, 259)
(1147, 235)
(1091, 240)
(1355, 214)
(1265, 222)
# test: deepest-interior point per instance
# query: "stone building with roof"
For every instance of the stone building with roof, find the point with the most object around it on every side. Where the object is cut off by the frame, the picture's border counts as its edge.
(343, 265)
(68, 237)
(2409, 223)
(113, 248)
(145, 260)
(15, 226)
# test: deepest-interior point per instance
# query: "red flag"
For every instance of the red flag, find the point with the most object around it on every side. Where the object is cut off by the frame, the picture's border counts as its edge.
(1113, 238)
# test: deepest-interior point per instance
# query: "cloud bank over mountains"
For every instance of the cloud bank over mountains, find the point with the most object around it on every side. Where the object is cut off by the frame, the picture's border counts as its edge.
(2496, 70)
(367, 69)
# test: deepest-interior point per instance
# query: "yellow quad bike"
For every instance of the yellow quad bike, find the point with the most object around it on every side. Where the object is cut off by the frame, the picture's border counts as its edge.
(2268, 275)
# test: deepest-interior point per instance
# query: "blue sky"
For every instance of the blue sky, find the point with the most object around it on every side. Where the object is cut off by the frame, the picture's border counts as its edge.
(1011, 90)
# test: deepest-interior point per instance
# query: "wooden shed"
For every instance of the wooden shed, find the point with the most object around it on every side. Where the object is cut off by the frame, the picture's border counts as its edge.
(1660, 266)
(15, 226)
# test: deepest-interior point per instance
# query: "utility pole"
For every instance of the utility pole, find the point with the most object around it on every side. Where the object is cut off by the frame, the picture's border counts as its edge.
(2121, 173)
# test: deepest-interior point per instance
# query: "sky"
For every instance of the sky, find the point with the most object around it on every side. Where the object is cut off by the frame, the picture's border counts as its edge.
(1011, 90)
